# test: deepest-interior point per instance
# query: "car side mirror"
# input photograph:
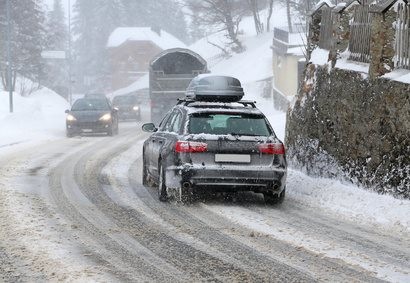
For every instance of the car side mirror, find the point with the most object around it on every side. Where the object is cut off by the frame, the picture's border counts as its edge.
(149, 127)
(67, 111)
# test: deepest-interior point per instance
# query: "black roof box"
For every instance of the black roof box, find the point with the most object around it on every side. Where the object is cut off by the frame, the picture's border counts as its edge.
(208, 87)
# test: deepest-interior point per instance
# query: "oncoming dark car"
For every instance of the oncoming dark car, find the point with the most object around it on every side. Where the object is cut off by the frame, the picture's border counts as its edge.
(91, 114)
(206, 145)
(128, 107)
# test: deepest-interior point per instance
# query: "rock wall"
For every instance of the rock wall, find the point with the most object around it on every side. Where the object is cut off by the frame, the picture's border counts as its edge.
(347, 126)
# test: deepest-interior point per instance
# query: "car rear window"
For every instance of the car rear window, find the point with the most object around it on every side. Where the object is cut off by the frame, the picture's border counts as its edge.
(228, 124)
(90, 104)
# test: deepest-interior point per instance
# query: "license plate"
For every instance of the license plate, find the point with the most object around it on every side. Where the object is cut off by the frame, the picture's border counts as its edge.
(87, 130)
(234, 158)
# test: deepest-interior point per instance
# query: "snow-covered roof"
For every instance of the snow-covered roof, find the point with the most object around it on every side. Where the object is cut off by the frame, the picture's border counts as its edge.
(141, 83)
(383, 6)
(322, 3)
(163, 39)
(341, 7)
(181, 50)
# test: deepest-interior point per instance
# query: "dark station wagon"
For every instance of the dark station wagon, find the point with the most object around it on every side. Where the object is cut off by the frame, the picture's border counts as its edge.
(212, 141)
(128, 107)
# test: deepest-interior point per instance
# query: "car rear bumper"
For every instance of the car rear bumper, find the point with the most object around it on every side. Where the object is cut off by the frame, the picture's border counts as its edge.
(230, 178)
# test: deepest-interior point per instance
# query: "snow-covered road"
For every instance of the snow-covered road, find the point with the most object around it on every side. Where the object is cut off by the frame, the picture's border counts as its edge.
(75, 210)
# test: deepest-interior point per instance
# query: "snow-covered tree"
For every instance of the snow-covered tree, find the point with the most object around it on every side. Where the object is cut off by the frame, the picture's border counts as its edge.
(92, 25)
(254, 7)
(56, 28)
(152, 14)
(27, 39)
(221, 15)
(56, 76)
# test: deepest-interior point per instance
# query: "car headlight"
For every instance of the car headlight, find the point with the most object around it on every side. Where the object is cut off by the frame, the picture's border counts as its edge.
(71, 118)
(136, 108)
(106, 117)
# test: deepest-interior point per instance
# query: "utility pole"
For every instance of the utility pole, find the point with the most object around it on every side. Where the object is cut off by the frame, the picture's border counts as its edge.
(9, 77)
(70, 91)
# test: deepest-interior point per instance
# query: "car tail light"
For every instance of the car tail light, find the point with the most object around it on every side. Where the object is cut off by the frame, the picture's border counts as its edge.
(272, 148)
(189, 146)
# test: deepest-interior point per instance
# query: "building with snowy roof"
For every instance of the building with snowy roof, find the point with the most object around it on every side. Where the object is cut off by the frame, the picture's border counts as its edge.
(288, 63)
(130, 50)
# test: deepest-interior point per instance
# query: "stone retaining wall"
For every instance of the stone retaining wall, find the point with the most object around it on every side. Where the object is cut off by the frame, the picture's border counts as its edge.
(347, 126)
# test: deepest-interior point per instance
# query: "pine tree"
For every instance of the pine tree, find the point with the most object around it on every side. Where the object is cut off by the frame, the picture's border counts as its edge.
(27, 18)
(148, 13)
(92, 25)
(56, 77)
(56, 29)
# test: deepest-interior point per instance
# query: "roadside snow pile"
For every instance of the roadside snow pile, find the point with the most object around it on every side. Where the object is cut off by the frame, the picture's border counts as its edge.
(38, 116)
(349, 201)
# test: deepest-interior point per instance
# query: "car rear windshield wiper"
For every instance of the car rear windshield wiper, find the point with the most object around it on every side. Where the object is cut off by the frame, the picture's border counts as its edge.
(251, 135)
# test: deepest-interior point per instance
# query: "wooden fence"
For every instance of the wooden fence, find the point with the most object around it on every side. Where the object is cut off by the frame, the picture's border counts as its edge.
(402, 52)
(326, 29)
(360, 34)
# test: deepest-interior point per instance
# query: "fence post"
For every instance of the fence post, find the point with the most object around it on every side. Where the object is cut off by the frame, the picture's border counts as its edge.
(342, 15)
(314, 28)
(382, 49)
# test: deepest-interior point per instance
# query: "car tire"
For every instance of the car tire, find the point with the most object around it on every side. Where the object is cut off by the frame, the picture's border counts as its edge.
(117, 130)
(162, 188)
(146, 180)
(69, 135)
(272, 199)
(110, 131)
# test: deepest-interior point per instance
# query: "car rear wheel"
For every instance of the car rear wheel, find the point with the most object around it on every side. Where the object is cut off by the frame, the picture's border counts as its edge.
(162, 188)
(117, 129)
(110, 131)
(146, 179)
(271, 198)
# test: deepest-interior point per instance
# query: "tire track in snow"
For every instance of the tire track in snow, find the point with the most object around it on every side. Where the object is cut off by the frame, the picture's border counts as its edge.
(180, 225)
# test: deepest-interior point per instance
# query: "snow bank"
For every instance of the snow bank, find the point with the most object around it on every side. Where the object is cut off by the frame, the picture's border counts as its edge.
(400, 75)
(349, 201)
(38, 116)
(319, 56)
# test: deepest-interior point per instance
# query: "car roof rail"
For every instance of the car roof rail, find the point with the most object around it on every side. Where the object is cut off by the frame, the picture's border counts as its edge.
(248, 103)
(187, 101)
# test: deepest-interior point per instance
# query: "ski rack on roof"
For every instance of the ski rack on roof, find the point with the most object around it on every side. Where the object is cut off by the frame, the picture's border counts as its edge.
(187, 101)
